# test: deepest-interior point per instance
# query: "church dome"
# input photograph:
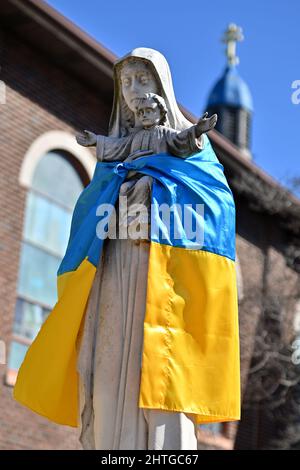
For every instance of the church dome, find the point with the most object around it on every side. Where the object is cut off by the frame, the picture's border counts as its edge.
(231, 90)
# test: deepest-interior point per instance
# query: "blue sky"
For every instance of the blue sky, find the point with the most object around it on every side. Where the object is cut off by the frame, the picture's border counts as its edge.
(188, 34)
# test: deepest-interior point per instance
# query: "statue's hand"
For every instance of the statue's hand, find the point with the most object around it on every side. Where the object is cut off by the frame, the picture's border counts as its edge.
(205, 124)
(86, 138)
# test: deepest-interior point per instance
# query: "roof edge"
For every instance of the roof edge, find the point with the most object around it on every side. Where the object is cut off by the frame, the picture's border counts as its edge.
(67, 31)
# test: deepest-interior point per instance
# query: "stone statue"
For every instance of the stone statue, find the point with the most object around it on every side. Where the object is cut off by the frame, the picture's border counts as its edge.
(142, 344)
(145, 120)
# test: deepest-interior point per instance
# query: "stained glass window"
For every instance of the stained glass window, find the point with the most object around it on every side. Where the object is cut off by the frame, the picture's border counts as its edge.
(50, 201)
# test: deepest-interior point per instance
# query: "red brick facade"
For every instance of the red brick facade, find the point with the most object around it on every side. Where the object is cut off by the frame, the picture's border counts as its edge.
(39, 97)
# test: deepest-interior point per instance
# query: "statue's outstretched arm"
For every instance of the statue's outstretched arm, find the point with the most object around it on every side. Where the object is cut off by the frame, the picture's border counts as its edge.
(86, 138)
(190, 141)
(107, 148)
(205, 124)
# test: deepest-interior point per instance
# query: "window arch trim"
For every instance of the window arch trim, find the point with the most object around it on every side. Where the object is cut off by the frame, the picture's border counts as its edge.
(54, 141)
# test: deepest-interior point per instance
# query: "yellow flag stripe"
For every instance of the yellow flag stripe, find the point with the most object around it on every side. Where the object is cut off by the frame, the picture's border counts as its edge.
(47, 381)
(191, 338)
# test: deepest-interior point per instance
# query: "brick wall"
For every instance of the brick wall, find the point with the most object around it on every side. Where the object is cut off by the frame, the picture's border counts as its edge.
(39, 97)
(268, 284)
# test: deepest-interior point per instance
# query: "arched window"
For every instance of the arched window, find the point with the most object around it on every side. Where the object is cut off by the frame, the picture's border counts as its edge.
(54, 189)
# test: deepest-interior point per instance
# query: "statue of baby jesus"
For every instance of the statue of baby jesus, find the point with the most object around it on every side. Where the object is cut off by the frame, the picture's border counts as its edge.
(151, 136)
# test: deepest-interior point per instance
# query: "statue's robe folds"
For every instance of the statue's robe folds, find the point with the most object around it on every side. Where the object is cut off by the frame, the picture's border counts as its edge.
(190, 353)
(160, 139)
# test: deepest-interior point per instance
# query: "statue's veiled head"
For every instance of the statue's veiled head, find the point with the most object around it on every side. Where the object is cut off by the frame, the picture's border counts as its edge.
(142, 71)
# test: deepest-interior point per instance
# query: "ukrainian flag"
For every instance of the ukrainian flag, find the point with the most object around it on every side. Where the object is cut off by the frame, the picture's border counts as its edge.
(190, 357)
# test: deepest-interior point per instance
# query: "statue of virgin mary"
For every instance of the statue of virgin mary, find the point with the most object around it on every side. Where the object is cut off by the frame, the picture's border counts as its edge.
(143, 344)
(111, 349)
